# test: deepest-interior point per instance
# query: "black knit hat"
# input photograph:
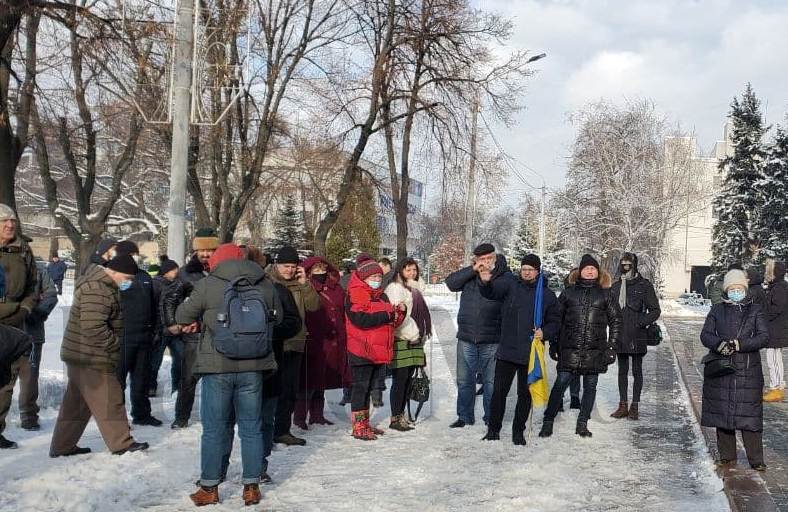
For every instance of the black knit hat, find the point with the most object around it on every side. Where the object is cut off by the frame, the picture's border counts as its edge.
(483, 249)
(167, 266)
(126, 247)
(587, 261)
(105, 245)
(124, 264)
(532, 260)
(287, 254)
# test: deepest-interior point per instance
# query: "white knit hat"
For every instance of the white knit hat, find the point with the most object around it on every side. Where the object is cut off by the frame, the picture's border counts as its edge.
(6, 213)
(734, 278)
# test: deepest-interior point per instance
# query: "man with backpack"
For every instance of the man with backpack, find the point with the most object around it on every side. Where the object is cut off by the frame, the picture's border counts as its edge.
(238, 308)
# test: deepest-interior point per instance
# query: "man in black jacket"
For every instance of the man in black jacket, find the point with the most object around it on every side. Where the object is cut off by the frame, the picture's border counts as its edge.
(479, 329)
(139, 322)
(169, 292)
(584, 346)
(15, 346)
(57, 272)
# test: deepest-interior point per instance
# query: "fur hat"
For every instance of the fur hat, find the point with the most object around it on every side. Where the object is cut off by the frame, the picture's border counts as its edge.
(6, 213)
(124, 264)
(205, 239)
(367, 267)
(735, 278)
(532, 260)
(287, 254)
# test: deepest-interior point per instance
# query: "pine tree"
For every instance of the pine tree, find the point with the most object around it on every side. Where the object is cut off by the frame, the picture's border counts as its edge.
(526, 238)
(774, 190)
(737, 234)
(356, 230)
(288, 226)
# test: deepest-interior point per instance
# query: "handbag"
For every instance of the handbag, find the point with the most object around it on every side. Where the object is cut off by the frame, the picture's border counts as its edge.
(419, 391)
(653, 335)
(717, 365)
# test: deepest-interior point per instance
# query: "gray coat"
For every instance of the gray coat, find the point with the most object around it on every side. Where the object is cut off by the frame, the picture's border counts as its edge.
(205, 302)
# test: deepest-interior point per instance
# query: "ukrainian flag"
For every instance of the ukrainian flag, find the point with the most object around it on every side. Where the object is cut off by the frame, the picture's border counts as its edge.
(537, 369)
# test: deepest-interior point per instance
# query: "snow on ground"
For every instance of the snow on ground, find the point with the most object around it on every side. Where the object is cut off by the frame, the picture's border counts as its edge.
(432, 468)
(672, 308)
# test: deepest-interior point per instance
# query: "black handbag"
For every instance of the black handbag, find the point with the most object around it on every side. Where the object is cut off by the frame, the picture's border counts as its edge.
(419, 391)
(716, 366)
(653, 335)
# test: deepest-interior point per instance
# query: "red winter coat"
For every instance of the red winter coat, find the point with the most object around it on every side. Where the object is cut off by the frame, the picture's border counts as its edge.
(325, 359)
(370, 323)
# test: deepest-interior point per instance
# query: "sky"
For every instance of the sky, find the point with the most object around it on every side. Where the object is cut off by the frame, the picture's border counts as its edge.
(691, 57)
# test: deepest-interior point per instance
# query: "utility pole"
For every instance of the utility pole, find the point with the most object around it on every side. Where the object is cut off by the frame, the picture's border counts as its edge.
(542, 221)
(470, 207)
(181, 117)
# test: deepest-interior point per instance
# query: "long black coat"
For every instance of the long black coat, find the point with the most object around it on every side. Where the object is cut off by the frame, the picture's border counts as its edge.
(642, 309)
(734, 401)
(14, 343)
(776, 311)
(139, 311)
(479, 319)
(588, 311)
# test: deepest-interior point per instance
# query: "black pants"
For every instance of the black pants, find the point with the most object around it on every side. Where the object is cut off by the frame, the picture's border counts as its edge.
(623, 376)
(753, 445)
(504, 374)
(135, 360)
(400, 384)
(562, 381)
(364, 377)
(289, 375)
(187, 387)
(59, 286)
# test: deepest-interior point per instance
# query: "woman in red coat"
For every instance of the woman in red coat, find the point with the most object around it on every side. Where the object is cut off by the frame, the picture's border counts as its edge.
(325, 361)
(371, 320)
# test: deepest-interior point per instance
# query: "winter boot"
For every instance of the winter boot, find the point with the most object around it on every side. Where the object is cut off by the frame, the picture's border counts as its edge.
(252, 494)
(547, 429)
(457, 424)
(290, 440)
(575, 402)
(206, 496)
(179, 424)
(377, 397)
(491, 435)
(400, 423)
(5, 444)
(582, 429)
(633, 411)
(361, 426)
(621, 412)
(774, 395)
(133, 447)
(77, 450)
(518, 437)
(316, 416)
(299, 414)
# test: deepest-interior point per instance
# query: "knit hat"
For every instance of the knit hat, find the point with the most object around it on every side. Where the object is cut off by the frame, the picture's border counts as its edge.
(287, 254)
(126, 247)
(205, 239)
(366, 266)
(124, 264)
(225, 252)
(6, 213)
(734, 278)
(532, 260)
(105, 245)
(586, 261)
(167, 266)
(483, 249)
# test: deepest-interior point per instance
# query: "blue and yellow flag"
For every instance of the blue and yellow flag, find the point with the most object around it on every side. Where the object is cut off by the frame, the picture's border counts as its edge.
(537, 369)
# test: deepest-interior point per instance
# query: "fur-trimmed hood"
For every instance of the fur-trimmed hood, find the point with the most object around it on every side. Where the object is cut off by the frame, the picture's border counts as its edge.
(605, 279)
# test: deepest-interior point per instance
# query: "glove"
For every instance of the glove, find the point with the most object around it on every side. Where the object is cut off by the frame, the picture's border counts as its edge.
(553, 352)
(725, 348)
(734, 345)
(399, 317)
(17, 319)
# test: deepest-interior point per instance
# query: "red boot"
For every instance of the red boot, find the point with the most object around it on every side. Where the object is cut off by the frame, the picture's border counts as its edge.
(299, 414)
(361, 428)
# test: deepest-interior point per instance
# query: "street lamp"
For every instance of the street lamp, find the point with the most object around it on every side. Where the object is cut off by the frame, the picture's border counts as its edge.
(536, 57)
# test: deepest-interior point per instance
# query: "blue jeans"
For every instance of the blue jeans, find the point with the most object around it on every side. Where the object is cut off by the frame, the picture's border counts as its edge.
(474, 358)
(225, 395)
(562, 381)
(269, 415)
(175, 343)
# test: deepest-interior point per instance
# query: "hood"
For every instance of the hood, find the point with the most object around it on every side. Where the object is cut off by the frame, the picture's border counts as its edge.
(95, 273)
(501, 266)
(775, 271)
(230, 269)
(358, 286)
(193, 266)
(605, 279)
(629, 256)
(333, 273)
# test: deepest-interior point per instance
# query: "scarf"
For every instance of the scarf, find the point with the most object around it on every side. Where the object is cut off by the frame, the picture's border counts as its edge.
(622, 296)
(420, 313)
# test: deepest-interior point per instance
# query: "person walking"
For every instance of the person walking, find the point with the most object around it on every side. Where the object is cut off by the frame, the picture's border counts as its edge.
(591, 328)
(735, 331)
(407, 288)
(478, 331)
(57, 272)
(518, 330)
(776, 311)
(639, 306)
(91, 350)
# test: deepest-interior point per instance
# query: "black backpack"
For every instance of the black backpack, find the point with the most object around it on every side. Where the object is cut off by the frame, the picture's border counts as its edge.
(244, 325)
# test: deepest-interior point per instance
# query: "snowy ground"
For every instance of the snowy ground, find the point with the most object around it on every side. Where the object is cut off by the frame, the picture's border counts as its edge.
(671, 308)
(658, 464)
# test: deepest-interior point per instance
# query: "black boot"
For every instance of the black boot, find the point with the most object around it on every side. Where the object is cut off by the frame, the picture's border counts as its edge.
(74, 451)
(5, 444)
(491, 436)
(582, 429)
(133, 447)
(457, 424)
(518, 437)
(547, 429)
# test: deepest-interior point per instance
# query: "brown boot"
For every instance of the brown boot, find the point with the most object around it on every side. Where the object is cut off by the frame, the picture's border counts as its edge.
(621, 412)
(633, 411)
(252, 494)
(206, 496)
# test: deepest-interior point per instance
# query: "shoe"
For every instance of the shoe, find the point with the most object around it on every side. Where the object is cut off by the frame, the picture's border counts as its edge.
(491, 436)
(206, 496)
(149, 421)
(178, 424)
(518, 438)
(265, 478)
(759, 467)
(575, 403)
(252, 494)
(320, 421)
(480, 391)
(290, 440)
(5, 444)
(622, 411)
(31, 427)
(547, 429)
(633, 411)
(774, 395)
(582, 429)
(377, 398)
(133, 447)
(361, 429)
(400, 424)
(74, 451)
(457, 424)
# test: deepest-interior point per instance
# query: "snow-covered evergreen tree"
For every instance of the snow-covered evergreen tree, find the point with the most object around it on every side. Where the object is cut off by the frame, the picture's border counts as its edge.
(288, 226)
(737, 235)
(773, 188)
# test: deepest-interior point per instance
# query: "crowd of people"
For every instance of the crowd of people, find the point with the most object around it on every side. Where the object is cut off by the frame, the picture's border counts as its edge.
(267, 335)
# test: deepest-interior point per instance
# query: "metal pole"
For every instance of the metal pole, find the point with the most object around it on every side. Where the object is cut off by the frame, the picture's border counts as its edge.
(470, 209)
(542, 222)
(181, 116)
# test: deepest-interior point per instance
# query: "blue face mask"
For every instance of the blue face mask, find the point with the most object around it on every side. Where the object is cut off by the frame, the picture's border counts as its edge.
(125, 285)
(736, 295)
(374, 284)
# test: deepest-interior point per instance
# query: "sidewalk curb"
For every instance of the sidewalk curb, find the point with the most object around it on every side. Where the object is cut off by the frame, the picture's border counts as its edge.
(745, 489)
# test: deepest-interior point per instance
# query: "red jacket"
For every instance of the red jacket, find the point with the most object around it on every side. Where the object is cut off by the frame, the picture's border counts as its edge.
(370, 322)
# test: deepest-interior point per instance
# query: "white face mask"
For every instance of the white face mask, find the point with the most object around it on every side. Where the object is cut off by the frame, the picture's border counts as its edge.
(374, 284)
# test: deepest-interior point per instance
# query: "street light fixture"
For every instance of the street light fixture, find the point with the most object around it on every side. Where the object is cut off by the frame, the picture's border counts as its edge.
(536, 57)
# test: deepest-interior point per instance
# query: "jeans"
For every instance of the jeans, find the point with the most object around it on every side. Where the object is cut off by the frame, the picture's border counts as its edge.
(504, 374)
(175, 344)
(225, 395)
(474, 358)
(562, 381)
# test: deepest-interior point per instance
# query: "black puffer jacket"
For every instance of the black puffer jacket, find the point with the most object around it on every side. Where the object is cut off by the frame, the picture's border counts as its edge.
(290, 326)
(642, 309)
(756, 290)
(734, 401)
(479, 319)
(139, 311)
(776, 306)
(14, 343)
(189, 275)
(587, 310)
(173, 293)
